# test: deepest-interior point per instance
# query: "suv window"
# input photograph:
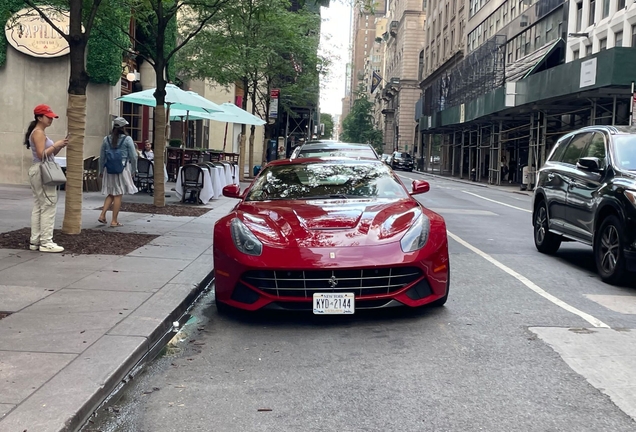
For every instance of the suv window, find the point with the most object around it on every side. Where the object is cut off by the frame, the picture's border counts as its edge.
(558, 152)
(575, 148)
(596, 148)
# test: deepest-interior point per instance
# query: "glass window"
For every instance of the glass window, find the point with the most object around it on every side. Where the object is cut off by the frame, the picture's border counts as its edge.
(588, 50)
(634, 36)
(618, 39)
(557, 153)
(620, 5)
(575, 54)
(579, 16)
(625, 151)
(590, 18)
(602, 44)
(606, 8)
(596, 148)
(575, 148)
(132, 113)
(325, 180)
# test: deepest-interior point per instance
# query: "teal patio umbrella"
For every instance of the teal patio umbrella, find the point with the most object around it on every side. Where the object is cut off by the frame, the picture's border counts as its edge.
(175, 99)
(230, 114)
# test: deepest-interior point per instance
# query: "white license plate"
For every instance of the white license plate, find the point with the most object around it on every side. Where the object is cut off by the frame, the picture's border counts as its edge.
(334, 303)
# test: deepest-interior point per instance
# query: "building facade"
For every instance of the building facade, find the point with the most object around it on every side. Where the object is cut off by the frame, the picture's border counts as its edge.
(404, 41)
(532, 71)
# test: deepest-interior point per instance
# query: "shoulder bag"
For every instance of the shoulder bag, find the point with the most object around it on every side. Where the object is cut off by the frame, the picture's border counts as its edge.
(52, 174)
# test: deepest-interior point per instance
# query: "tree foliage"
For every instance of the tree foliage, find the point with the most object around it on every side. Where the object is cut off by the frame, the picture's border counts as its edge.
(261, 45)
(154, 43)
(327, 120)
(358, 126)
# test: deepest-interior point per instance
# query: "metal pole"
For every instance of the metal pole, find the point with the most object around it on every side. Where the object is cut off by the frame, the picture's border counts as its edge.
(544, 139)
(614, 111)
(453, 156)
(461, 158)
(499, 155)
(631, 104)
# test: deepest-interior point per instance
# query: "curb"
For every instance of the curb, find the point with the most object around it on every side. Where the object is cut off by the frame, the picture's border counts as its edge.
(520, 192)
(134, 363)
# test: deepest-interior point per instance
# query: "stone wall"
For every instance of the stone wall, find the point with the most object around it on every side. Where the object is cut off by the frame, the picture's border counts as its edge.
(28, 81)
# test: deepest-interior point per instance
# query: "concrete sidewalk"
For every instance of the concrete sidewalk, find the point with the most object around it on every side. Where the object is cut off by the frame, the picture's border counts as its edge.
(514, 188)
(79, 323)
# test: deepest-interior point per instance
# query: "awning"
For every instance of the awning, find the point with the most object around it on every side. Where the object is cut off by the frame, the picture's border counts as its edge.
(550, 55)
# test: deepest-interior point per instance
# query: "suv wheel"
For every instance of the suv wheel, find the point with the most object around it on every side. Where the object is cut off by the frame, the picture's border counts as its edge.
(608, 250)
(545, 241)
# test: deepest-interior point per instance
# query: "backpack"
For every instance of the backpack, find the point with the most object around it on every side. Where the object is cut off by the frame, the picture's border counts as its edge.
(114, 159)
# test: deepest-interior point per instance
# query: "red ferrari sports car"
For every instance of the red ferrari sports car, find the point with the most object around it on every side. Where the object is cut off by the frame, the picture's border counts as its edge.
(331, 236)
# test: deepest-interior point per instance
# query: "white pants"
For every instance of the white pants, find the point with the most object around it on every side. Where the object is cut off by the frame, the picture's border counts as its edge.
(44, 207)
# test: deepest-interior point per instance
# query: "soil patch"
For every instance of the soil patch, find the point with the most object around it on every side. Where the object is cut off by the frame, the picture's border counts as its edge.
(170, 210)
(89, 241)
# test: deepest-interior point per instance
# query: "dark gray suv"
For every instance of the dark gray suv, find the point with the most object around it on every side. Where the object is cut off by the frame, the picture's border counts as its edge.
(586, 192)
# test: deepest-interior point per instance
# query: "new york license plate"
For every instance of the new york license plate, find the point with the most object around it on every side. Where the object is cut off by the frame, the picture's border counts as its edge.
(334, 303)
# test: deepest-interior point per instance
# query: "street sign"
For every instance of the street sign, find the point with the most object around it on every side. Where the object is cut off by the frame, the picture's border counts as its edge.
(274, 95)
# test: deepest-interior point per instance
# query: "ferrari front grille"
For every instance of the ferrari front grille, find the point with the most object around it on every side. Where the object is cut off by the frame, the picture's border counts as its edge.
(362, 282)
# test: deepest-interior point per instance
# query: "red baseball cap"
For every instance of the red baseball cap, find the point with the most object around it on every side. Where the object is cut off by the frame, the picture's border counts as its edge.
(44, 110)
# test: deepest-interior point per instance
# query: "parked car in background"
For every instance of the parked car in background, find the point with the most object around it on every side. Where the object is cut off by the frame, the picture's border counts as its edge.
(334, 149)
(402, 160)
(331, 236)
(586, 192)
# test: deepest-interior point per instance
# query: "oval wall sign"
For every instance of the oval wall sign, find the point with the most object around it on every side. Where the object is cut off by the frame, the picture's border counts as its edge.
(30, 34)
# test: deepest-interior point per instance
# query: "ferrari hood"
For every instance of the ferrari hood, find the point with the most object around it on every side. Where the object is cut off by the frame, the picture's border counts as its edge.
(318, 223)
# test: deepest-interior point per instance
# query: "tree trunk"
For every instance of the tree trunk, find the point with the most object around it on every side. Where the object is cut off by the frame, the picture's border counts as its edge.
(160, 150)
(76, 114)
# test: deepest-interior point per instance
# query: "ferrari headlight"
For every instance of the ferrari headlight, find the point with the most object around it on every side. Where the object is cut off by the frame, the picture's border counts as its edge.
(416, 237)
(244, 239)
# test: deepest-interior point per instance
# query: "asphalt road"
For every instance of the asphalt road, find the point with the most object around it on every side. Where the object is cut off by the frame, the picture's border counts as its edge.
(526, 342)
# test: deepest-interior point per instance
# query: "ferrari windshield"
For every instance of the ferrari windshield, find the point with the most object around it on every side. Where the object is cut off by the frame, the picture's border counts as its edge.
(320, 180)
(362, 152)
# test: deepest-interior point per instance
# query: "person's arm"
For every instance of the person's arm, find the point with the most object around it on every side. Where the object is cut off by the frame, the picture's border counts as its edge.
(102, 156)
(132, 154)
(39, 139)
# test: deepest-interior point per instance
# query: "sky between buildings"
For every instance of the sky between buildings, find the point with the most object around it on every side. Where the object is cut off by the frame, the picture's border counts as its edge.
(334, 43)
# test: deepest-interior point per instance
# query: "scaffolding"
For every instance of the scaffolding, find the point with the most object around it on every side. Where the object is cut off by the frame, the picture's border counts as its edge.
(481, 72)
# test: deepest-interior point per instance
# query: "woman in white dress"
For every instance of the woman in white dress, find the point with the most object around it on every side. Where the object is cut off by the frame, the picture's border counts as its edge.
(117, 148)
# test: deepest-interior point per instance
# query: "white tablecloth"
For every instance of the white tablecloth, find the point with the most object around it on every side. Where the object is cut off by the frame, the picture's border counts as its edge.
(228, 174)
(218, 181)
(207, 193)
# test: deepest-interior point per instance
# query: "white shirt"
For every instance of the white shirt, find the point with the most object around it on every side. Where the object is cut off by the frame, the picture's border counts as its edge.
(150, 155)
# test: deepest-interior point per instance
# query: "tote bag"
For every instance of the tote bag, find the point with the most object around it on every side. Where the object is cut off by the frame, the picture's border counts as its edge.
(52, 174)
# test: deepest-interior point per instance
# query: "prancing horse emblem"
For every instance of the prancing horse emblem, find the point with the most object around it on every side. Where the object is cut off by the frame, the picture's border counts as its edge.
(333, 282)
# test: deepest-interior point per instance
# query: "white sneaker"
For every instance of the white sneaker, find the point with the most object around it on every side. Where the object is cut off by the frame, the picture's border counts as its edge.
(51, 247)
(34, 246)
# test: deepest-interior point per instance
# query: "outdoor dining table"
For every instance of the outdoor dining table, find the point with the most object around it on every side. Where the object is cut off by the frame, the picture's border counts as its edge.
(208, 191)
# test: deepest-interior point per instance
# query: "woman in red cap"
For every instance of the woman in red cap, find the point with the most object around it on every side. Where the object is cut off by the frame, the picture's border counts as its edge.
(45, 197)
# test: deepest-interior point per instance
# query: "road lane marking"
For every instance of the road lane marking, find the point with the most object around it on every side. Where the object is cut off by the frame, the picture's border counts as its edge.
(467, 212)
(527, 282)
(498, 202)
